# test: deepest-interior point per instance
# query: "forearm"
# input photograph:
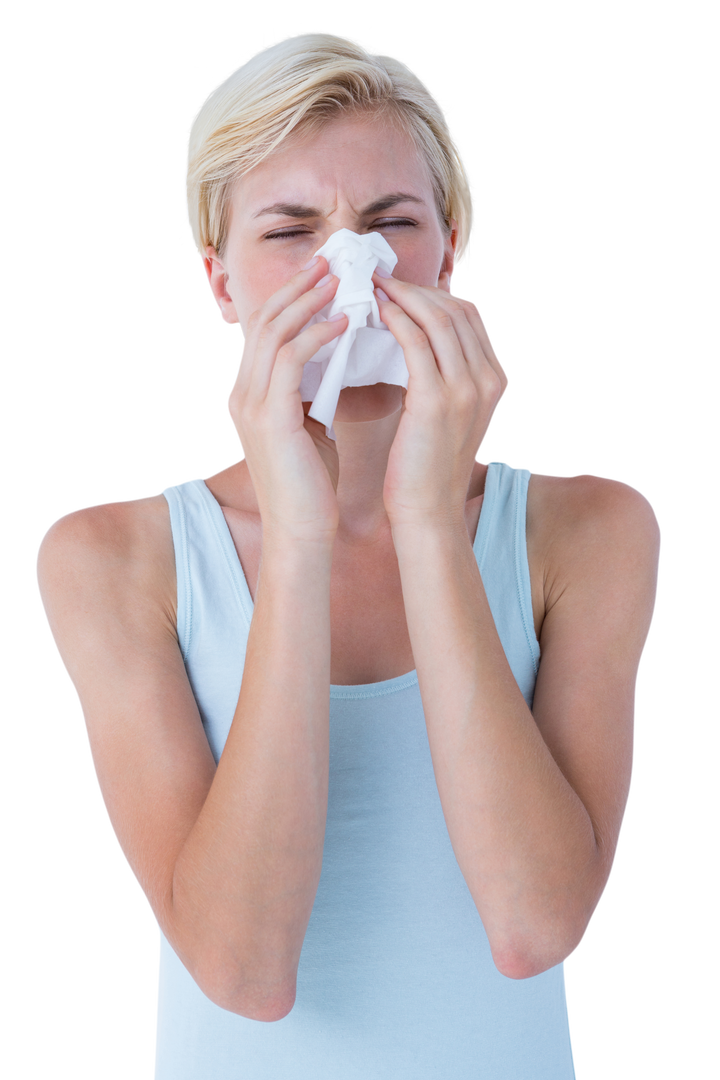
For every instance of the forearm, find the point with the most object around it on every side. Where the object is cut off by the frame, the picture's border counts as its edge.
(245, 880)
(522, 837)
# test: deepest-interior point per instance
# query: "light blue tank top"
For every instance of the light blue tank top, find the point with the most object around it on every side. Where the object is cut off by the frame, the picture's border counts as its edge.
(396, 980)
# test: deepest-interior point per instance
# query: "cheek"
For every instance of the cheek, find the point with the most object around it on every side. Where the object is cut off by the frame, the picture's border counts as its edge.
(420, 258)
(421, 270)
(253, 284)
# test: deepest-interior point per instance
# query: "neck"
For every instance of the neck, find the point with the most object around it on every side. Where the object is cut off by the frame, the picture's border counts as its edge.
(363, 449)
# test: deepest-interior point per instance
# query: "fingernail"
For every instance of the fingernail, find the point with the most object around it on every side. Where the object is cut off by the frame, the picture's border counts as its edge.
(381, 295)
(323, 281)
(382, 273)
(336, 318)
(313, 262)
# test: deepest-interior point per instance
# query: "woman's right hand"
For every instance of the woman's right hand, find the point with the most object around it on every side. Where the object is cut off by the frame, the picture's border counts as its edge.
(293, 464)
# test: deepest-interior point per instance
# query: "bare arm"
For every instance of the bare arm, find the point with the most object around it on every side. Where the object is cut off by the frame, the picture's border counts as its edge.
(229, 857)
(534, 801)
(245, 880)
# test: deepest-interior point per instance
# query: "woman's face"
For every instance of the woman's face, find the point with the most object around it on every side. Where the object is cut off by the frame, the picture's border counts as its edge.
(360, 174)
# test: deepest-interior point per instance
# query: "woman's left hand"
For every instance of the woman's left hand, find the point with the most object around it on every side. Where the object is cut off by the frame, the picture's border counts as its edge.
(455, 383)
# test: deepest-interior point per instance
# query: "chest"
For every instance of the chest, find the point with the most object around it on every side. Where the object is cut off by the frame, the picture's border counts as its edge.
(369, 634)
(369, 639)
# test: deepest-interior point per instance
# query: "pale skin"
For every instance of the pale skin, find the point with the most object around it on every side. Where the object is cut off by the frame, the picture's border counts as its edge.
(359, 559)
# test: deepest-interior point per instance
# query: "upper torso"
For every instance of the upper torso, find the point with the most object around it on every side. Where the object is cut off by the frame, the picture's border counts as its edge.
(370, 641)
(396, 977)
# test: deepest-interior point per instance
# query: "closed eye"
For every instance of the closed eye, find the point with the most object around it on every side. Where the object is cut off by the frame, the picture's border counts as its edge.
(300, 232)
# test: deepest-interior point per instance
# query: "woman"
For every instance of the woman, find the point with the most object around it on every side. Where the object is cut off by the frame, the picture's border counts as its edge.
(361, 708)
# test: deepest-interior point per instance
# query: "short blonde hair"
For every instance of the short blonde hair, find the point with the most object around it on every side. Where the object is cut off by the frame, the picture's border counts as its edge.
(304, 82)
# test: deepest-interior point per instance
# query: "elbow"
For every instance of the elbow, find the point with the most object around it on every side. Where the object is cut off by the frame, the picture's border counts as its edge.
(526, 961)
(525, 957)
(522, 964)
(255, 983)
(267, 1010)
(253, 1001)
(237, 974)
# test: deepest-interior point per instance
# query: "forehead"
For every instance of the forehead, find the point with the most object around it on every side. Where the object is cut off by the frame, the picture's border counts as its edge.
(354, 159)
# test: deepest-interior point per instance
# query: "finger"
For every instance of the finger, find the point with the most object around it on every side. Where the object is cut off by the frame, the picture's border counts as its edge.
(479, 325)
(456, 351)
(286, 373)
(283, 373)
(473, 316)
(296, 286)
(291, 320)
(268, 337)
(431, 308)
(493, 381)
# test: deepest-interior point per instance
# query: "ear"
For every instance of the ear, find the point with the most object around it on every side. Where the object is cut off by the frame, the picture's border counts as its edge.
(218, 283)
(448, 263)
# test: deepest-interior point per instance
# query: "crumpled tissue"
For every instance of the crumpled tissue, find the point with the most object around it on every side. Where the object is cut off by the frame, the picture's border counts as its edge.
(366, 352)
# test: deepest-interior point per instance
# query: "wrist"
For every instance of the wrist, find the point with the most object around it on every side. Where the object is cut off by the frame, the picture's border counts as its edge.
(285, 548)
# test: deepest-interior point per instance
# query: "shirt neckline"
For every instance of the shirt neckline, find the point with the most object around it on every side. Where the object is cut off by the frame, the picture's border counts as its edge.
(337, 690)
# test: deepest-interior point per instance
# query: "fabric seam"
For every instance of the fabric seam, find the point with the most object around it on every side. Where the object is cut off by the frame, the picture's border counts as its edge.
(184, 603)
(208, 509)
(521, 566)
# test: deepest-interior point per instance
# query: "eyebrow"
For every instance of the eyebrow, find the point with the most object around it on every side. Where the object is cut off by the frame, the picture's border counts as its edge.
(296, 210)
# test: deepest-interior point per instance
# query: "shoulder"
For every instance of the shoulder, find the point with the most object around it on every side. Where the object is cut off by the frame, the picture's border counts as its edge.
(588, 510)
(584, 531)
(577, 498)
(116, 558)
(133, 533)
(586, 528)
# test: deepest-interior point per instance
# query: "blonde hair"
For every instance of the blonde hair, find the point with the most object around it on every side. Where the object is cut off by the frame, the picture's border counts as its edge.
(304, 82)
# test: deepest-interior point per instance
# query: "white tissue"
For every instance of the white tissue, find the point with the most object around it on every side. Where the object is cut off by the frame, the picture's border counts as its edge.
(366, 352)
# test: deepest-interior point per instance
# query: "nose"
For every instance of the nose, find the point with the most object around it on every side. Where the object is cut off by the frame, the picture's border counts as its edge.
(331, 227)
